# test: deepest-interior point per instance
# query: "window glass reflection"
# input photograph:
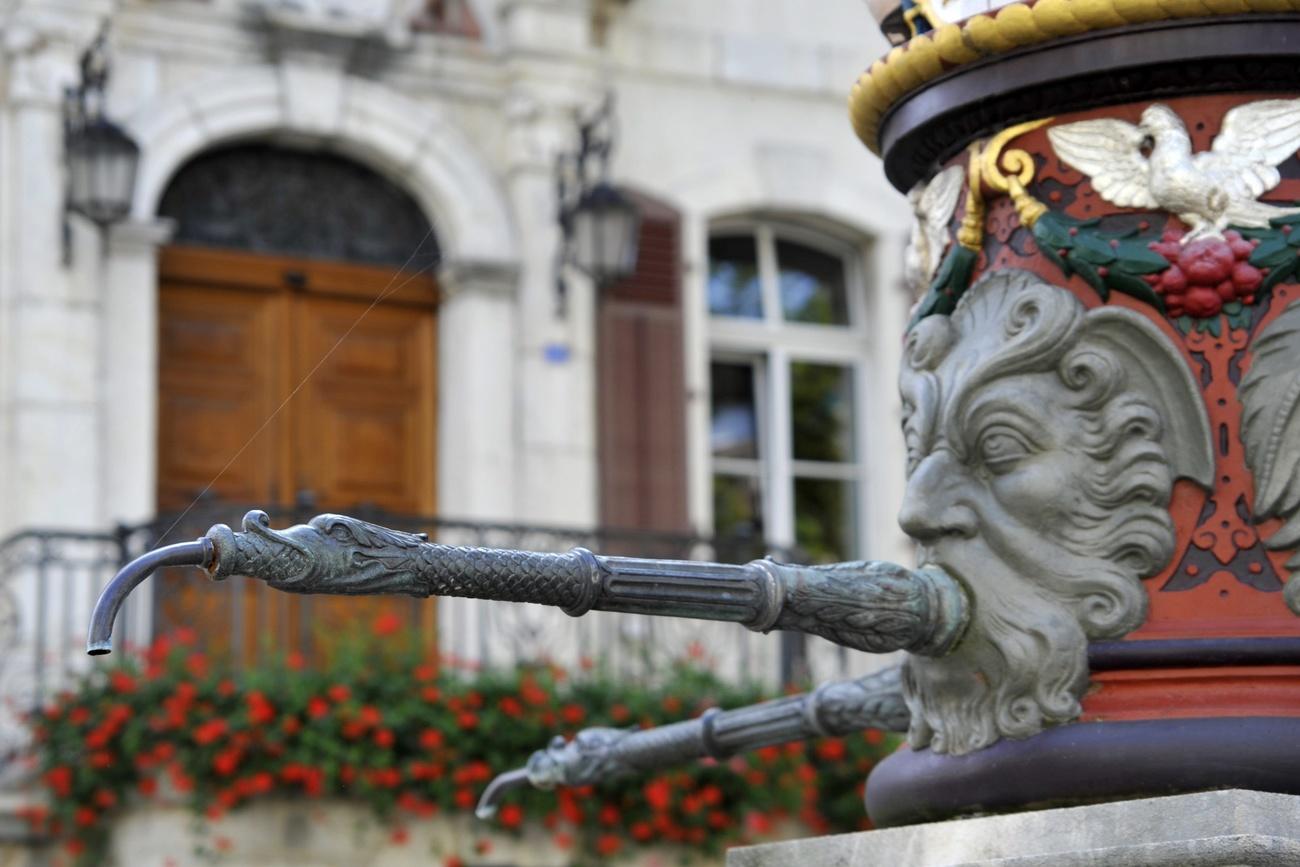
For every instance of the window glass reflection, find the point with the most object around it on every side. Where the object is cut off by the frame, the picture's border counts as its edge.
(812, 285)
(824, 518)
(734, 428)
(734, 286)
(738, 516)
(821, 412)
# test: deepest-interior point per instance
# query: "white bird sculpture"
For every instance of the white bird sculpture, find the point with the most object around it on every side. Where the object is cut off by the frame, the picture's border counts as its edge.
(1151, 165)
(932, 206)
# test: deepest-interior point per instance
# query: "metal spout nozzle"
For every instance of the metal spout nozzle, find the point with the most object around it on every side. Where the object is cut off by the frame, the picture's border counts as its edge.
(198, 553)
(496, 790)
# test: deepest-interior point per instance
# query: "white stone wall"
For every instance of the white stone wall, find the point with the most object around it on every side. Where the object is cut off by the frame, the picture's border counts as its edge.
(338, 834)
(724, 108)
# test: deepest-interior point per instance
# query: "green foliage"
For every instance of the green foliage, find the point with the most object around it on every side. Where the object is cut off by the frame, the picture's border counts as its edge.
(1278, 250)
(382, 724)
(951, 280)
(1107, 262)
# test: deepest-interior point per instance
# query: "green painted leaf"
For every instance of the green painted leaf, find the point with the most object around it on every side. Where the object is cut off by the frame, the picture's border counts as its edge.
(950, 283)
(1134, 287)
(1278, 275)
(1136, 258)
(1089, 273)
(1050, 254)
(1215, 325)
(1052, 231)
(1287, 219)
(1272, 253)
(1093, 249)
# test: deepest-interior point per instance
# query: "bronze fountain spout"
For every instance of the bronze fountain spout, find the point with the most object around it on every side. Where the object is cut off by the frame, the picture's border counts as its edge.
(872, 606)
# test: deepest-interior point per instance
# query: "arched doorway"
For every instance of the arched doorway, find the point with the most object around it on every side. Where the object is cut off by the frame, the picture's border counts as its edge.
(297, 364)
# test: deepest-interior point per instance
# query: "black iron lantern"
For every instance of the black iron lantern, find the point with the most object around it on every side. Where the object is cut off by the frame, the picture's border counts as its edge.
(102, 161)
(605, 228)
(599, 226)
(101, 158)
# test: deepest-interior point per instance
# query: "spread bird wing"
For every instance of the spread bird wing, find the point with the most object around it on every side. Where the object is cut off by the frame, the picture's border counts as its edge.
(1255, 137)
(1270, 428)
(1110, 153)
(937, 204)
(1267, 131)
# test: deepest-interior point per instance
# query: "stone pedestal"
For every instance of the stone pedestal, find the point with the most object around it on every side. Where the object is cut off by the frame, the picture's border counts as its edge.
(1232, 828)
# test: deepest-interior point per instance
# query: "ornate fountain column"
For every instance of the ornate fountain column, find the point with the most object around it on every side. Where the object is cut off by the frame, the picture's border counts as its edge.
(1103, 378)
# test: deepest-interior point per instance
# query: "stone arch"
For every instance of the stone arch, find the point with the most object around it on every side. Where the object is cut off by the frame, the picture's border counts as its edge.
(413, 144)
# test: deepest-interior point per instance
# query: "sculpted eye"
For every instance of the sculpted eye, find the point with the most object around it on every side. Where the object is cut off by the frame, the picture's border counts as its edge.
(1001, 448)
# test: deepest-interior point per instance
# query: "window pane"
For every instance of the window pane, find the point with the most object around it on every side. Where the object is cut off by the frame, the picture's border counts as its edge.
(824, 518)
(812, 285)
(734, 287)
(821, 412)
(737, 517)
(734, 431)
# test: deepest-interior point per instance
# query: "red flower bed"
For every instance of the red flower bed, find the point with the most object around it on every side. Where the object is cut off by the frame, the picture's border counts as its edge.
(411, 739)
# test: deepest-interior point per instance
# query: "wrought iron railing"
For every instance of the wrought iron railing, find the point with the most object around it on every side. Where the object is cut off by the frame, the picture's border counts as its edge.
(50, 578)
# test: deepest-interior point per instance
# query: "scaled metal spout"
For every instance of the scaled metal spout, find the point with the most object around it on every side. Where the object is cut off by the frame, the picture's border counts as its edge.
(873, 606)
(197, 553)
(598, 754)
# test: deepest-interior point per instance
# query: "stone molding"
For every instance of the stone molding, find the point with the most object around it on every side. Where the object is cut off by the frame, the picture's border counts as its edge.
(414, 143)
(1208, 829)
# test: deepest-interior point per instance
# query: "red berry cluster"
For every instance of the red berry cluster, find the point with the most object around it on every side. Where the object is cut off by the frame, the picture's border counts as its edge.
(1205, 274)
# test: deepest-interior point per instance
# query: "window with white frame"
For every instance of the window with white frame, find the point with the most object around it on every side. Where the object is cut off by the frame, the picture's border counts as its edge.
(787, 343)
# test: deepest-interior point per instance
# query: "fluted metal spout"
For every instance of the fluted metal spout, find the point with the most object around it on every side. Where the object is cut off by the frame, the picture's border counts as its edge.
(871, 605)
(197, 553)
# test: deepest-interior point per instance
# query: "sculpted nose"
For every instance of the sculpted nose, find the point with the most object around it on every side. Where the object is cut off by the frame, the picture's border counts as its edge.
(931, 506)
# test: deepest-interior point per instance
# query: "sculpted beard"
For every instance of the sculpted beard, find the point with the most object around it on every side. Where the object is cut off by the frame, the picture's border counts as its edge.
(1023, 662)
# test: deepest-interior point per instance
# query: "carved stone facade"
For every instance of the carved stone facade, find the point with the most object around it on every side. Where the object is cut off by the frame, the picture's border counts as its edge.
(1043, 444)
(1100, 396)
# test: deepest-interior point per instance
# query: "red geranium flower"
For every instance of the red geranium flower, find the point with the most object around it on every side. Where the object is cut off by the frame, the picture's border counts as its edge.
(210, 731)
(387, 623)
(659, 794)
(511, 816)
(260, 711)
(831, 750)
(121, 682)
(59, 779)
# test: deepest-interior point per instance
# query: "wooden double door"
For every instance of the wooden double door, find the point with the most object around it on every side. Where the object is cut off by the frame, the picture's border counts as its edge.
(283, 380)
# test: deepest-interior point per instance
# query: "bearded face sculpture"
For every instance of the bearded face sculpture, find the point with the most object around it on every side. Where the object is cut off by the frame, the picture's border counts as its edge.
(1043, 443)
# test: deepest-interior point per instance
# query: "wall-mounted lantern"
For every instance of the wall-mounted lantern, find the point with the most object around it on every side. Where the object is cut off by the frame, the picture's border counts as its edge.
(101, 158)
(599, 226)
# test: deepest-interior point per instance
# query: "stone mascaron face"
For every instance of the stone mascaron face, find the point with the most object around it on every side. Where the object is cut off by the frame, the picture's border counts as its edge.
(1043, 442)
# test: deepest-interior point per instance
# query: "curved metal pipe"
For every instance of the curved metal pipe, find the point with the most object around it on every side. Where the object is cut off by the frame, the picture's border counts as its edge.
(198, 553)
(496, 790)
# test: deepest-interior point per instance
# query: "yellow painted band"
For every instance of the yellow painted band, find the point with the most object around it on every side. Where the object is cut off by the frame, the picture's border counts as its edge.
(913, 64)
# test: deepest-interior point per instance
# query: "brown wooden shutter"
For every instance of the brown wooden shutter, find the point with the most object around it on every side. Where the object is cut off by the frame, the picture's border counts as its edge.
(641, 386)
